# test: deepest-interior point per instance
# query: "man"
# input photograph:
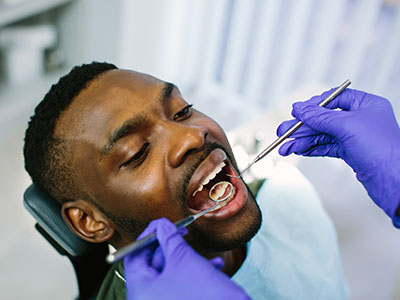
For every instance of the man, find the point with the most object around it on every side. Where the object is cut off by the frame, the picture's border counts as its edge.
(119, 148)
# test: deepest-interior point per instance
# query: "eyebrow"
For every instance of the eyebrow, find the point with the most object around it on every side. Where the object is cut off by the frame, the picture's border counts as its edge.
(166, 92)
(134, 123)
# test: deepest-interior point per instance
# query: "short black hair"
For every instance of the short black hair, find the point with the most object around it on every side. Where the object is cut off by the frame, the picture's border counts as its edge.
(45, 155)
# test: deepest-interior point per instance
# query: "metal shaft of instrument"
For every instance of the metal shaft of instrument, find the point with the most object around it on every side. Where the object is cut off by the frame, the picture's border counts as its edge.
(296, 126)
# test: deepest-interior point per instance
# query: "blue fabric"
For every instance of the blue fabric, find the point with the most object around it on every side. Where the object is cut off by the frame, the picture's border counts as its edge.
(295, 254)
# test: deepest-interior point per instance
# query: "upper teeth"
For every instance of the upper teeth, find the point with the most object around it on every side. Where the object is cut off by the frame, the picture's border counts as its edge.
(210, 177)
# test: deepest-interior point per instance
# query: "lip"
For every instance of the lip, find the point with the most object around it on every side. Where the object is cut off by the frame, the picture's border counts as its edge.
(233, 207)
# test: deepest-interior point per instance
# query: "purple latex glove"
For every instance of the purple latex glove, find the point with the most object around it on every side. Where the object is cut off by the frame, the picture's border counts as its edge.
(364, 133)
(173, 270)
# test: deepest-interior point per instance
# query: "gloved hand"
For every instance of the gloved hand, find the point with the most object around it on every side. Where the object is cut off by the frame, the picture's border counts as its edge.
(364, 134)
(174, 270)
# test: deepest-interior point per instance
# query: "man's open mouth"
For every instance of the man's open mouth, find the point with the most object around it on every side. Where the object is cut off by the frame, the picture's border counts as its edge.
(213, 170)
(200, 199)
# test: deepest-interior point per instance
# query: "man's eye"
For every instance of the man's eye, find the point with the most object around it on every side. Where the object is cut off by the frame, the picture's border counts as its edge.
(185, 113)
(138, 158)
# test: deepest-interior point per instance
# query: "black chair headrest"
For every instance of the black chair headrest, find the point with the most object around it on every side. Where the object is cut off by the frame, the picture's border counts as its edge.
(47, 213)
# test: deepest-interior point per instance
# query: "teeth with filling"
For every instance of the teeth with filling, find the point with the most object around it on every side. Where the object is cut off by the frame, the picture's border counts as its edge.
(221, 190)
(209, 177)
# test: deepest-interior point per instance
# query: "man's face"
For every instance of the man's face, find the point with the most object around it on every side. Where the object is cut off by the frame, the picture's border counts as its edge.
(141, 152)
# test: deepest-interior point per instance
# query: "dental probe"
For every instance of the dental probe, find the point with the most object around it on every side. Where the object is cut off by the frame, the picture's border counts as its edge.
(292, 129)
(152, 238)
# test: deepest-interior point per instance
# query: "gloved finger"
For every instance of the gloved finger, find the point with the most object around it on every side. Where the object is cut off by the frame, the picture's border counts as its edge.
(139, 262)
(149, 229)
(320, 119)
(317, 99)
(217, 262)
(302, 131)
(171, 241)
(330, 150)
(304, 144)
(347, 100)
(143, 256)
(286, 148)
(158, 260)
(284, 126)
(137, 266)
(182, 231)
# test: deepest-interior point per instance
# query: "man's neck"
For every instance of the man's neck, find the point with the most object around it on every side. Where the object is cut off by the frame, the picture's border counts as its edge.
(233, 260)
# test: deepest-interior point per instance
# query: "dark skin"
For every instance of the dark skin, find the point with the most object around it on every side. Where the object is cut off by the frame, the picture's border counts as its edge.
(137, 173)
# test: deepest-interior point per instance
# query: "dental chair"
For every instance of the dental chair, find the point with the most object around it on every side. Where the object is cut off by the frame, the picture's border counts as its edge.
(88, 259)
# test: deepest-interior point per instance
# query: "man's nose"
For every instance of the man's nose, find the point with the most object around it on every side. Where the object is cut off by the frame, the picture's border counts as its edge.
(184, 139)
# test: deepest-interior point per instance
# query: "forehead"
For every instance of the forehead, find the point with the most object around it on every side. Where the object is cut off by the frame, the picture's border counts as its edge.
(114, 95)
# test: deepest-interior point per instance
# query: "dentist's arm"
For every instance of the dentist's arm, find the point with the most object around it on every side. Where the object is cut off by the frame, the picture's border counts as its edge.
(364, 133)
(174, 270)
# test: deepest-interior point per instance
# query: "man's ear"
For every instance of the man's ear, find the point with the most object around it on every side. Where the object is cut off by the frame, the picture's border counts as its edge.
(86, 221)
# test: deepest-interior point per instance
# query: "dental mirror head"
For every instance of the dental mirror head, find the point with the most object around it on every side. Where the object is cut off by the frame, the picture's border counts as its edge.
(221, 191)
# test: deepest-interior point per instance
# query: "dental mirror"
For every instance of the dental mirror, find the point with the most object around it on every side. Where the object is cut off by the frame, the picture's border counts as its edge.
(221, 191)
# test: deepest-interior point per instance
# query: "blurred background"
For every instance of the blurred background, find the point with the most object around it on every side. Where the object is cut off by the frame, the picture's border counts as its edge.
(241, 61)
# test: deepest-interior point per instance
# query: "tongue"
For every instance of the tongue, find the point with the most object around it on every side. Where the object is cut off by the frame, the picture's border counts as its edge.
(200, 201)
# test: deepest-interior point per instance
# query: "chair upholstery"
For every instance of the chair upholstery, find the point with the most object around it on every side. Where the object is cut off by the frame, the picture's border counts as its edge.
(87, 258)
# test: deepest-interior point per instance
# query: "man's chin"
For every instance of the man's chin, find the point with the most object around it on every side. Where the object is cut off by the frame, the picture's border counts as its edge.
(207, 245)
(243, 230)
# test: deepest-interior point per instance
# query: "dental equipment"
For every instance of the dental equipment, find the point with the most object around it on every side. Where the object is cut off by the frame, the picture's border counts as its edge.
(214, 194)
(291, 130)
